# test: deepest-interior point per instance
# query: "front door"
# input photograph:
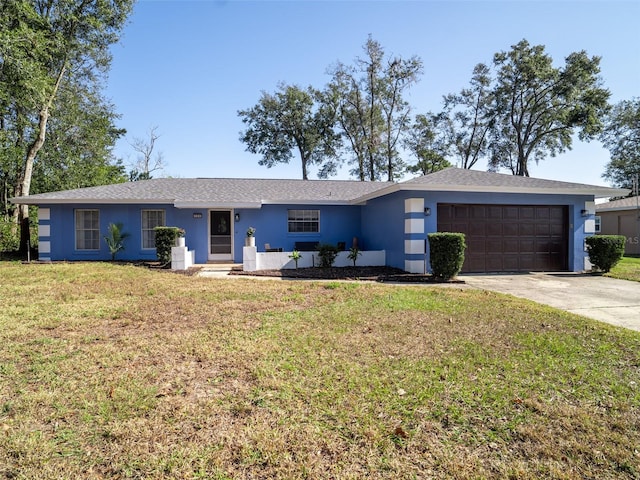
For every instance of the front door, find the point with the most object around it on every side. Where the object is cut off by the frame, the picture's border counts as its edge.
(220, 235)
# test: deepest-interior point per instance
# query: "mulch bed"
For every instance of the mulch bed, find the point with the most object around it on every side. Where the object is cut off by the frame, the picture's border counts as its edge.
(374, 274)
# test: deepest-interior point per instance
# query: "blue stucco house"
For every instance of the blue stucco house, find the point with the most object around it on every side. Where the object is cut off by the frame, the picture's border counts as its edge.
(512, 224)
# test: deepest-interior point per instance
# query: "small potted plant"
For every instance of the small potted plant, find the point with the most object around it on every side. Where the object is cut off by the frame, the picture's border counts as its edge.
(180, 240)
(250, 241)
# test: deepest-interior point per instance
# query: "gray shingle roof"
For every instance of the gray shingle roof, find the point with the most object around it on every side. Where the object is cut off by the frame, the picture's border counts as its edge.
(245, 192)
(208, 192)
(629, 203)
(461, 178)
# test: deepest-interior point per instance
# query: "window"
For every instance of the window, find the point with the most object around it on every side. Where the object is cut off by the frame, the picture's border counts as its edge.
(304, 221)
(150, 220)
(598, 222)
(87, 230)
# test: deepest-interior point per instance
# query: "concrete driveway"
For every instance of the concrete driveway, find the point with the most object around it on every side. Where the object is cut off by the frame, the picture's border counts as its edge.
(606, 299)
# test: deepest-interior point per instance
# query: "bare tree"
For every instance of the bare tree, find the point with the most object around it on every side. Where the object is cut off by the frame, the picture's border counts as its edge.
(147, 162)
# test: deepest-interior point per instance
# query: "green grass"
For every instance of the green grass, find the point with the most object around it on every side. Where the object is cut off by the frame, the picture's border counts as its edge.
(627, 269)
(120, 372)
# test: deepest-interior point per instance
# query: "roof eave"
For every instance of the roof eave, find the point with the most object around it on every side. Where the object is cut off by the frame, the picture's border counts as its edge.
(210, 204)
(306, 202)
(93, 201)
(598, 192)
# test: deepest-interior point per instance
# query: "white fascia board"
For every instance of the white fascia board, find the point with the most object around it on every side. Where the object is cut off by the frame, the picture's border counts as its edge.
(86, 201)
(306, 202)
(596, 191)
(205, 204)
(378, 193)
(615, 209)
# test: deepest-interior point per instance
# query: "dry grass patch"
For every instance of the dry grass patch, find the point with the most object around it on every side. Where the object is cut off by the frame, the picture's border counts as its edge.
(119, 372)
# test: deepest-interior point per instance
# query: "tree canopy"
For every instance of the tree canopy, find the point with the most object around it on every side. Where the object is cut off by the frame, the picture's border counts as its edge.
(52, 52)
(292, 119)
(372, 113)
(537, 108)
(622, 138)
(425, 142)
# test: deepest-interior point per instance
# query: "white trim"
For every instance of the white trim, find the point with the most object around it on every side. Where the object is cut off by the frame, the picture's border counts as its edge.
(88, 201)
(142, 229)
(414, 225)
(414, 205)
(289, 221)
(597, 192)
(44, 230)
(44, 247)
(588, 266)
(414, 266)
(414, 247)
(75, 229)
(590, 207)
(44, 214)
(221, 256)
(216, 206)
(589, 226)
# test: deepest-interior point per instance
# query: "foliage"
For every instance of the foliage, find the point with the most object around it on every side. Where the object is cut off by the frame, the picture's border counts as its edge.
(251, 232)
(605, 251)
(304, 380)
(8, 237)
(115, 239)
(426, 143)
(165, 240)
(292, 119)
(622, 138)
(45, 49)
(327, 254)
(371, 111)
(537, 108)
(446, 253)
(295, 256)
(80, 139)
(469, 118)
(354, 253)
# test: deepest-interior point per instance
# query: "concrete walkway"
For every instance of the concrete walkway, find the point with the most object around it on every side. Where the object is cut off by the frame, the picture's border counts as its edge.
(606, 299)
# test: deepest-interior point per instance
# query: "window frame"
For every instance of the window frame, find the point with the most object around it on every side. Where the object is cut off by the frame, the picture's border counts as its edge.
(151, 230)
(597, 224)
(95, 242)
(302, 217)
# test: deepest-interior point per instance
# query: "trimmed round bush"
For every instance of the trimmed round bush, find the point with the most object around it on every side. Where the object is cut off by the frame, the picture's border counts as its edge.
(165, 239)
(605, 251)
(446, 253)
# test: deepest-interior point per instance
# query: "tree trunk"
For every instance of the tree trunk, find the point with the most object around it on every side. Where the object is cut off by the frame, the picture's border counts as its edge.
(21, 214)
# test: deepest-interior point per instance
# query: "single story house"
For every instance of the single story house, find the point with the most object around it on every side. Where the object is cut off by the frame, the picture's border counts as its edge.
(621, 217)
(512, 224)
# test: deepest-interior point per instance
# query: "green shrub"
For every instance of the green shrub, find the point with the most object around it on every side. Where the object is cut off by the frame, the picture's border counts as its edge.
(605, 251)
(446, 252)
(9, 240)
(327, 254)
(165, 239)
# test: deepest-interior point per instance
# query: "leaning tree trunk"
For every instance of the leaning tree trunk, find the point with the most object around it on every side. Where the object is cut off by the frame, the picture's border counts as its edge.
(23, 187)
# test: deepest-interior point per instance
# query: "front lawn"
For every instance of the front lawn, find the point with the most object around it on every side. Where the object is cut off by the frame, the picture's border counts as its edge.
(122, 372)
(627, 269)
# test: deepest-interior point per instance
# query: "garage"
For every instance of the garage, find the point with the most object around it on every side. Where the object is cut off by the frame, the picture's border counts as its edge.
(509, 238)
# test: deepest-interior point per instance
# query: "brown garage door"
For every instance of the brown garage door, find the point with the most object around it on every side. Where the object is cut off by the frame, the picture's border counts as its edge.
(509, 238)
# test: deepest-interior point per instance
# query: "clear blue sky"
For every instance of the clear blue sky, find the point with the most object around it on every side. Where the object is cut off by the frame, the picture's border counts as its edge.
(189, 66)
